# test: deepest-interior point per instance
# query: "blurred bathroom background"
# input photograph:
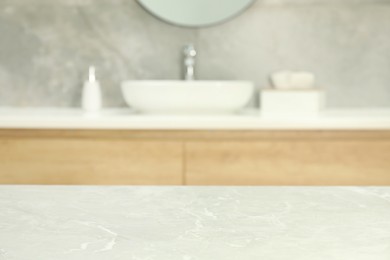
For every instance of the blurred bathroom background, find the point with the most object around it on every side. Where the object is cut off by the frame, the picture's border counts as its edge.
(46, 47)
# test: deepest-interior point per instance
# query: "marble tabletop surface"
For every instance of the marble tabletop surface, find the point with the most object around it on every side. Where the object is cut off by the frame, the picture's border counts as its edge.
(194, 223)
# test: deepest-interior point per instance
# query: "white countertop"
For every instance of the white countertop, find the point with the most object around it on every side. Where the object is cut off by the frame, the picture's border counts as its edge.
(194, 223)
(49, 118)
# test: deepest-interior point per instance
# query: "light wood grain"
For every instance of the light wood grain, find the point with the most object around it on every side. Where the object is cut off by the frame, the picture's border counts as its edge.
(138, 157)
(187, 135)
(299, 162)
(75, 161)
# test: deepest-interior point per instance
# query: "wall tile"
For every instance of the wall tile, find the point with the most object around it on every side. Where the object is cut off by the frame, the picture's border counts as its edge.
(321, 2)
(347, 47)
(45, 50)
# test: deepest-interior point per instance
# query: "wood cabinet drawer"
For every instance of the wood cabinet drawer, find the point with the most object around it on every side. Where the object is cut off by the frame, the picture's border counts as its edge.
(289, 162)
(90, 161)
(195, 157)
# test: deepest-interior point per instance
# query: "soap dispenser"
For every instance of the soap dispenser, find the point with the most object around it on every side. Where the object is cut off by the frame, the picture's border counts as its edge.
(91, 97)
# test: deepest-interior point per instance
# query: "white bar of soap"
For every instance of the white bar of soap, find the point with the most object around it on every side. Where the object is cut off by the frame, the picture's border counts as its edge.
(293, 80)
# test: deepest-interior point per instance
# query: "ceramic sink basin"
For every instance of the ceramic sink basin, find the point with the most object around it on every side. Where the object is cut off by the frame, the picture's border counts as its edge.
(188, 97)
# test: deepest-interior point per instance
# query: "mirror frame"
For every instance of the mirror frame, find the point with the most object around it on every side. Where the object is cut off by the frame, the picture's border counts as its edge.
(238, 13)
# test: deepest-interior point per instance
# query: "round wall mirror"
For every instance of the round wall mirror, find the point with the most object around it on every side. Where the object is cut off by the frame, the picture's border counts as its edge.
(195, 13)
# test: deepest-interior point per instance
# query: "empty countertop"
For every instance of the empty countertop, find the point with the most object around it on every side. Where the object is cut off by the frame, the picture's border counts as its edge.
(169, 223)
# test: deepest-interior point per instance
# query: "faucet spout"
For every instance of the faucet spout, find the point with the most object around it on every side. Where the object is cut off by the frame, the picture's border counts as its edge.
(189, 62)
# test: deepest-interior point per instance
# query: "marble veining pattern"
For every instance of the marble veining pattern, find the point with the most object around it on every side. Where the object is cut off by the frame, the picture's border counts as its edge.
(46, 47)
(194, 223)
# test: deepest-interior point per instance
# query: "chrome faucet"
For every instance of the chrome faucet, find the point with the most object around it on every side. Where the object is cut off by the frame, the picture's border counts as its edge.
(189, 62)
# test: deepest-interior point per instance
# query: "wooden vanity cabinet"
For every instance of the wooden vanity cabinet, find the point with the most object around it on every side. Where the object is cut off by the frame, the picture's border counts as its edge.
(288, 163)
(63, 158)
(195, 157)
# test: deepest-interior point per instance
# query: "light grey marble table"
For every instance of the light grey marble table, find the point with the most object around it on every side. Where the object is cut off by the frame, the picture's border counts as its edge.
(188, 223)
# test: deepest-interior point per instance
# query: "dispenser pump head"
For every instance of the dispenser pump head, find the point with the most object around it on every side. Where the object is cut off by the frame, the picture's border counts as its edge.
(92, 74)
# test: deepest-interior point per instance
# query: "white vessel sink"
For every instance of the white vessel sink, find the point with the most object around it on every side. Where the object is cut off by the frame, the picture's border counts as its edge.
(188, 97)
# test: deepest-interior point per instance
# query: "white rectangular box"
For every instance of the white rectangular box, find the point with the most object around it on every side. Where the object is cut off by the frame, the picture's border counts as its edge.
(291, 103)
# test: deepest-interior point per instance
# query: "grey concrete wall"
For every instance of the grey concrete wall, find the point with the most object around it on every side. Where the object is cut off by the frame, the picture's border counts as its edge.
(46, 47)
